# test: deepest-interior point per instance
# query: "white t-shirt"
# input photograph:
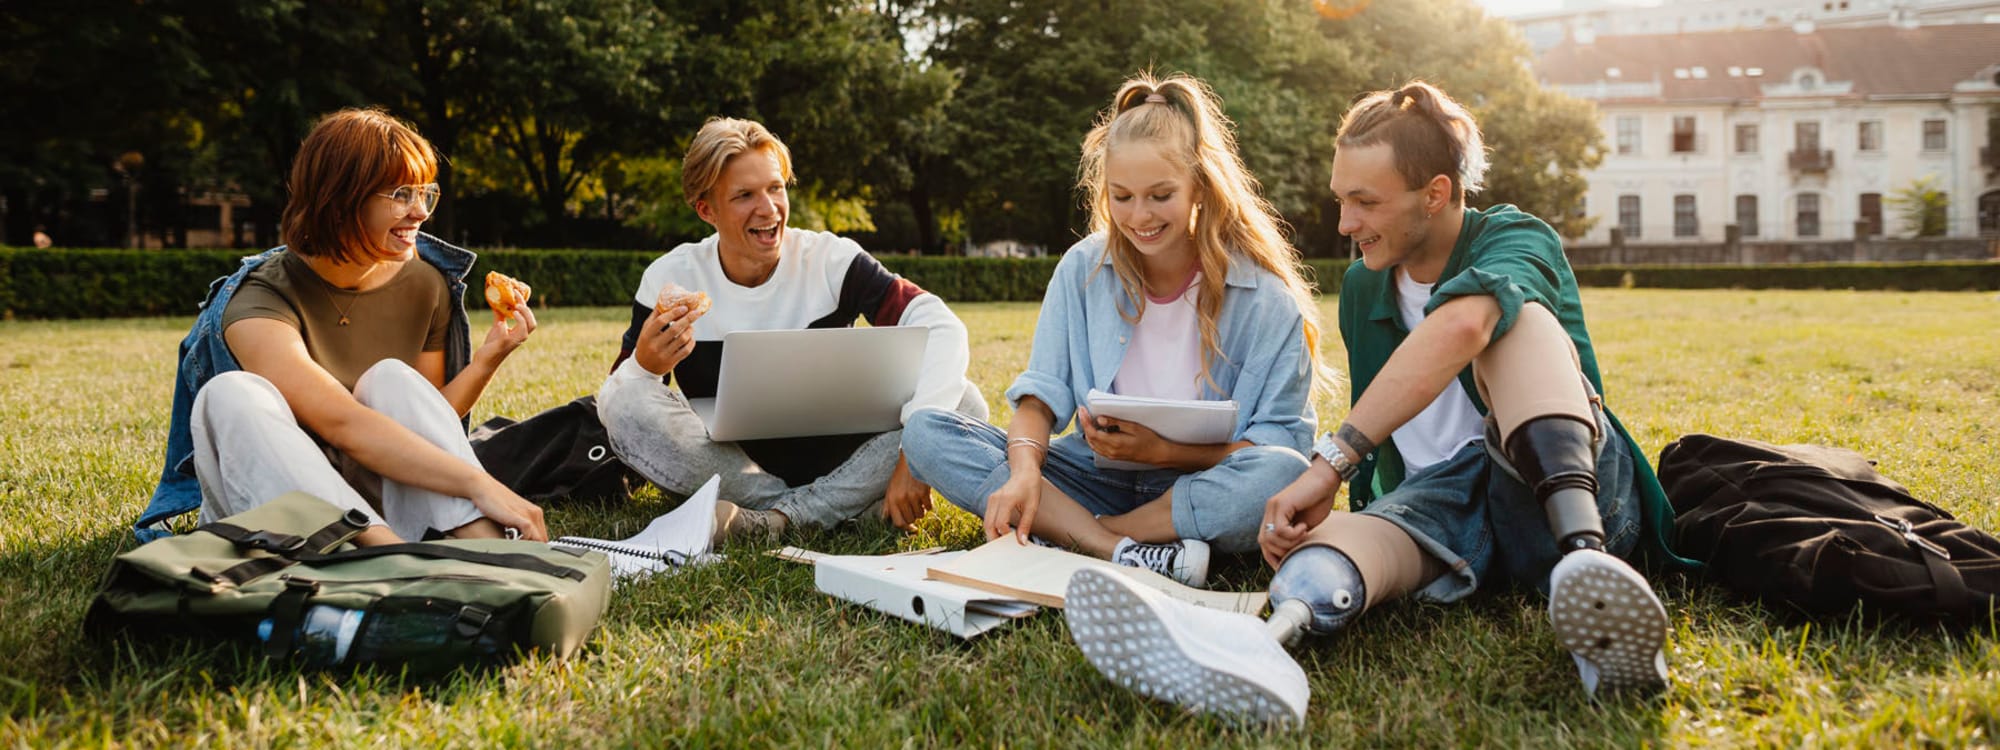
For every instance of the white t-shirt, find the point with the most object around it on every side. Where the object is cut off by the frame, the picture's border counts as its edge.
(1450, 422)
(1163, 359)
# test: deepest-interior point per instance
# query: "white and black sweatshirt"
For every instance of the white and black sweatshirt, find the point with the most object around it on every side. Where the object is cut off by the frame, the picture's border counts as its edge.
(822, 281)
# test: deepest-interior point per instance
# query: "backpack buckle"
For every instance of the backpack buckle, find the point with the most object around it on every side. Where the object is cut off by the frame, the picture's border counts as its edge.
(355, 518)
(1909, 533)
(471, 621)
(273, 542)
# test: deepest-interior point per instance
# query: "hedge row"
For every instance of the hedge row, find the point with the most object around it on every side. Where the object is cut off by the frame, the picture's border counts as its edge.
(72, 283)
(1918, 276)
(90, 283)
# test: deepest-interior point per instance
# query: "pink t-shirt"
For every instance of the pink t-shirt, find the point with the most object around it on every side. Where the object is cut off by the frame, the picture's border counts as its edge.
(1163, 360)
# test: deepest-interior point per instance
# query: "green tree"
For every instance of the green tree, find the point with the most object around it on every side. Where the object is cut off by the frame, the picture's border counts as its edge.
(1922, 206)
(543, 94)
(830, 79)
(1035, 73)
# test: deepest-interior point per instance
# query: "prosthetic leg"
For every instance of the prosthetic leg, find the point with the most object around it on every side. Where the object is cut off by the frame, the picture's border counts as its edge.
(1542, 410)
(1603, 611)
(1352, 562)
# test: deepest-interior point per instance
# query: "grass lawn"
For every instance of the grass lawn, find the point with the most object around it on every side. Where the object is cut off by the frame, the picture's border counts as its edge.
(747, 653)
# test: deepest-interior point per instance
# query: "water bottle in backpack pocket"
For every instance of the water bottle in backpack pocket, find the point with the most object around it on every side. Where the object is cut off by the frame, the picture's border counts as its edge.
(427, 636)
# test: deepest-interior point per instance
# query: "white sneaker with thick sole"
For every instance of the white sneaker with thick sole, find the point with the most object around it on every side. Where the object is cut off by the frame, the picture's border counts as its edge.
(1205, 660)
(1613, 625)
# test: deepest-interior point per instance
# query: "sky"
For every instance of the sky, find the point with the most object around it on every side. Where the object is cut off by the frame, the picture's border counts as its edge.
(1512, 7)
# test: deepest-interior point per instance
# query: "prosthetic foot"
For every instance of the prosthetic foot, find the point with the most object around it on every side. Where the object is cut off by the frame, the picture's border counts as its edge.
(1603, 611)
(1556, 456)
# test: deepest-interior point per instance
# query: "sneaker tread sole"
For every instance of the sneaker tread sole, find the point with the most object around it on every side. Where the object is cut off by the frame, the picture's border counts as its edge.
(1609, 617)
(1128, 640)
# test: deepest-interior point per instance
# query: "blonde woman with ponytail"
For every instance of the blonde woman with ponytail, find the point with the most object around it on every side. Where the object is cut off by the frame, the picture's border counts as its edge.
(1478, 450)
(1185, 289)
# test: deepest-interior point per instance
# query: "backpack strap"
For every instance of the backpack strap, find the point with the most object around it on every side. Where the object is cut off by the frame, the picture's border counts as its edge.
(1952, 595)
(286, 549)
(514, 560)
(287, 611)
(326, 538)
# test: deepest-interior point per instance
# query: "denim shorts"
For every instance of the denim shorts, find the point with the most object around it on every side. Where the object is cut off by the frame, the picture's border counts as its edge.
(1472, 513)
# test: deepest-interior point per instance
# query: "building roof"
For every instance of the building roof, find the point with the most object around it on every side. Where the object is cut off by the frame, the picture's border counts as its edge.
(1878, 61)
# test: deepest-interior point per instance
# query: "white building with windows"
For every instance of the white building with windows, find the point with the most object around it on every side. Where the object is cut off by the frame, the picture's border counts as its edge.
(1587, 18)
(1791, 134)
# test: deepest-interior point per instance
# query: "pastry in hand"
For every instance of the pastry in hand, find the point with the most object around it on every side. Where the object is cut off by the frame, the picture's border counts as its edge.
(674, 295)
(503, 293)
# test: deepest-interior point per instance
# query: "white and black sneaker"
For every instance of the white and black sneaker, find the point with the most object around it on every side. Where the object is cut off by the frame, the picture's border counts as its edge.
(1611, 622)
(1185, 560)
(1205, 660)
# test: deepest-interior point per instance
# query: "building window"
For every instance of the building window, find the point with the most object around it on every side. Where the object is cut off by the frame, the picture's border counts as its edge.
(1934, 135)
(1628, 216)
(1869, 135)
(1871, 214)
(1746, 138)
(1746, 215)
(1684, 141)
(1685, 222)
(1805, 135)
(1808, 218)
(1628, 136)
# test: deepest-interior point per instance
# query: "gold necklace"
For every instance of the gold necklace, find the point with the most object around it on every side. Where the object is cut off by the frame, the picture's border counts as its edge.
(351, 297)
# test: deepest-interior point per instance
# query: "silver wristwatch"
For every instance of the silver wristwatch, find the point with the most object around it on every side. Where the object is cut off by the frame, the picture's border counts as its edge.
(1343, 465)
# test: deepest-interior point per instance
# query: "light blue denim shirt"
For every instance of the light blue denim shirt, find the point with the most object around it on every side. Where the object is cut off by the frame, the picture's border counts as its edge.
(204, 354)
(1080, 341)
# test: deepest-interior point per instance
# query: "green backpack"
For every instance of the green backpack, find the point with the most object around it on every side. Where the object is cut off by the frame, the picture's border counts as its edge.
(286, 566)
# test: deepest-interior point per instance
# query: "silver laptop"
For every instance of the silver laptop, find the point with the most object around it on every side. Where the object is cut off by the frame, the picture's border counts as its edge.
(814, 381)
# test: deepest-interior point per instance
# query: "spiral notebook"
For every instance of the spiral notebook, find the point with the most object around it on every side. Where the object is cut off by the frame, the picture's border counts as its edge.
(674, 541)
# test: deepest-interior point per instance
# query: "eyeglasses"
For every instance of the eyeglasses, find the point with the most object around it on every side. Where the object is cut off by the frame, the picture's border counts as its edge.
(411, 196)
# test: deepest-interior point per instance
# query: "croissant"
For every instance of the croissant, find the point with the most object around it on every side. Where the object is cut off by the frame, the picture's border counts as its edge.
(673, 295)
(503, 293)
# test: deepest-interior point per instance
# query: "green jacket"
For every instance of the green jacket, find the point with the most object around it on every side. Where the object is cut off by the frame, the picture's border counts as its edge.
(1516, 259)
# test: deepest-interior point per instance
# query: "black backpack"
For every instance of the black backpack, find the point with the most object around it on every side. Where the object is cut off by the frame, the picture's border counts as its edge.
(562, 453)
(1817, 529)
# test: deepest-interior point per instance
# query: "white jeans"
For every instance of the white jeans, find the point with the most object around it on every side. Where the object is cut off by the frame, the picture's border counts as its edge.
(249, 448)
(654, 430)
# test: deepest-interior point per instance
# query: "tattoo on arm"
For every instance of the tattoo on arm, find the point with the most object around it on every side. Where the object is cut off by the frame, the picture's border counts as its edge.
(1353, 438)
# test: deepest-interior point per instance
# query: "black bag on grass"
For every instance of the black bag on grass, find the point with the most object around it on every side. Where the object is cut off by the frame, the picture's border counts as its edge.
(446, 603)
(1817, 529)
(561, 453)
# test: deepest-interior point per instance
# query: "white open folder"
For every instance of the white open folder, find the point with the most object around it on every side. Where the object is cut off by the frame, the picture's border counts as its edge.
(1038, 574)
(895, 585)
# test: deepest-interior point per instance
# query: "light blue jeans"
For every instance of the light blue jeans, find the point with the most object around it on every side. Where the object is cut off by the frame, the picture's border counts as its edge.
(965, 459)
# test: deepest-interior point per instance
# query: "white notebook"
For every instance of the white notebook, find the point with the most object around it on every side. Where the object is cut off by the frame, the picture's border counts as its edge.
(675, 540)
(1196, 422)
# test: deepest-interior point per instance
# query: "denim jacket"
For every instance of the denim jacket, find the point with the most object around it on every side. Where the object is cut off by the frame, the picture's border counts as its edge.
(1080, 341)
(204, 354)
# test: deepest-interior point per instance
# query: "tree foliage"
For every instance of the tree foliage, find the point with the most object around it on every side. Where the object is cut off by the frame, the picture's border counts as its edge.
(1922, 207)
(914, 122)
